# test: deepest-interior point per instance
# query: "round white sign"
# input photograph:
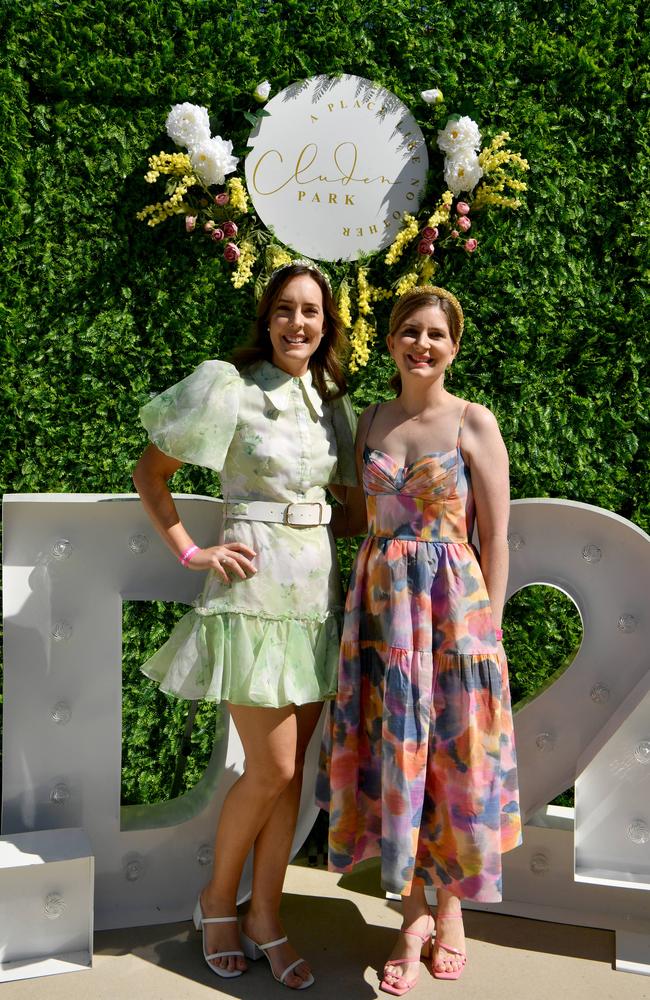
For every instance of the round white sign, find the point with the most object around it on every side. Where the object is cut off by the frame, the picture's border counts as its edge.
(335, 165)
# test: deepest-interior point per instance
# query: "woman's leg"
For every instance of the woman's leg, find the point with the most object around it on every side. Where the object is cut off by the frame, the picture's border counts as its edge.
(272, 849)
(268, 737)
(417, 919)
(449, 932)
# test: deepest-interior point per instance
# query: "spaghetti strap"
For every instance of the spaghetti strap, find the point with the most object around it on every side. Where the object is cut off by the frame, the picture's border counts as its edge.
(374, 414)
(460, 425)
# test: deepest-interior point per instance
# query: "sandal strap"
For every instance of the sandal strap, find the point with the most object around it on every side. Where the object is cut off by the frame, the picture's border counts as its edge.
(273, 944)
(290, 968)
(422, 937)
(223, 954)
(453, 951)
(402, 961)
(218, 920)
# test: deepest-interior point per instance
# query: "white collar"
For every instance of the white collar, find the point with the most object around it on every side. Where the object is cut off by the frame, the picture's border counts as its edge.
(276, 386)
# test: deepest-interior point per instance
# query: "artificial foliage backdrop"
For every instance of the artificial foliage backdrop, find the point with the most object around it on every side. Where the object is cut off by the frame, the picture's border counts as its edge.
(100, 311)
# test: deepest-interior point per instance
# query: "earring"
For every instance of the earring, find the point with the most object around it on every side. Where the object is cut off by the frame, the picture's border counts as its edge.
(449, 372)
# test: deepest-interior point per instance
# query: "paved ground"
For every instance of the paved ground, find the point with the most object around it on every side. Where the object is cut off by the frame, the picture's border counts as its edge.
(346, 928)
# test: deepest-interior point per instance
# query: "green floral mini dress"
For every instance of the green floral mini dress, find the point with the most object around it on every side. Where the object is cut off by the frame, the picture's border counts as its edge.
(273, 639)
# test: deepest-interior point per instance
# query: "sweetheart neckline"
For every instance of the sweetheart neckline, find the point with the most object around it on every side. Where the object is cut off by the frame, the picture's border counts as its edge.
(407, 465)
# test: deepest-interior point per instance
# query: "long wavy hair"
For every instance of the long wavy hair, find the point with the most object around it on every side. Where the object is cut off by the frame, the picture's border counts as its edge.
(325, 362)
(408, 305)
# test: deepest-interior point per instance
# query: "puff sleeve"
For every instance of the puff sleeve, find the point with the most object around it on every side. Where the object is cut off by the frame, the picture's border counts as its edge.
(344, 420)
(194, 420)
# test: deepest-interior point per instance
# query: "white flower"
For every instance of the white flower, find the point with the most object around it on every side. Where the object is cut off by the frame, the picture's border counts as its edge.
(188, 124)
(462, 172)
(213, 159)
(460, 137)
(262, 91)
(432, 96)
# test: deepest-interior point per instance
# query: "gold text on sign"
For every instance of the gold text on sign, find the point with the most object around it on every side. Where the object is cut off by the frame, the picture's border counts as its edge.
(341, 105)
(370, 230)
(345, 159)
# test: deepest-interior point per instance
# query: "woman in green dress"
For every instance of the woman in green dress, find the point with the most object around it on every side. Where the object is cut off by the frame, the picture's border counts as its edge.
(263, 637)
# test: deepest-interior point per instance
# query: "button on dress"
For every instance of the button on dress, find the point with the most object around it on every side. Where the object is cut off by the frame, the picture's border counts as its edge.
(272, 639)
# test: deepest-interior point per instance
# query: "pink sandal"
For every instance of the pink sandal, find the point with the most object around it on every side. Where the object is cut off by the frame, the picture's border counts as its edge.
(401, 985)
(456, 973)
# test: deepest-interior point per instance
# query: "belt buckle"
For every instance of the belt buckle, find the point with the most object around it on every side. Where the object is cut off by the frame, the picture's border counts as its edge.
(287, 513)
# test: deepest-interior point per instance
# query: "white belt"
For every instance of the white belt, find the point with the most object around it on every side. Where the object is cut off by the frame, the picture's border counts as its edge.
(300, 515)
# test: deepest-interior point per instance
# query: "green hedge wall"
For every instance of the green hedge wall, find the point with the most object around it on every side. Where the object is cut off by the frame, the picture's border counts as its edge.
(99, 310)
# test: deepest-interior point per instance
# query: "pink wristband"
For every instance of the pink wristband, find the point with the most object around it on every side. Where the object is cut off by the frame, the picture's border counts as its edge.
(499, 634)
(185, 557)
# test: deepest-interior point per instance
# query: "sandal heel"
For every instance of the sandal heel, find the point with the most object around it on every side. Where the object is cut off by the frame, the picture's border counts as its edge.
(253, 950)
(250, 948)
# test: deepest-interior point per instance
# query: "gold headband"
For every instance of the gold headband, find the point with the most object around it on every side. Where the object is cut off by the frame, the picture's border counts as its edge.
(440, 293)
(304, 262)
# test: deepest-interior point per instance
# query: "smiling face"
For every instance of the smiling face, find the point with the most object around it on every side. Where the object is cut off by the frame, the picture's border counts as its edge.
(296, 324)
(422, 345)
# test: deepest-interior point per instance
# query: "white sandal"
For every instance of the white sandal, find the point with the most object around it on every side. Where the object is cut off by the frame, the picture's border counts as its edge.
(253, 950)
(199, 922)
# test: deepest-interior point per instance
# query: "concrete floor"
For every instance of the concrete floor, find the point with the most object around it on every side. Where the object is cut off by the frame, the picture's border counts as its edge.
(346, 928)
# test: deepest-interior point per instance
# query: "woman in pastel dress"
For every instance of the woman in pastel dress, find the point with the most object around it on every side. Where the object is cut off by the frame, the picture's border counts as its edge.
(421, 755)
(264, 635)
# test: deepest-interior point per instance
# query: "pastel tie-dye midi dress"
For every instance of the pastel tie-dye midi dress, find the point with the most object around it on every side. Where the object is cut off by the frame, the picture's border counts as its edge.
(419, 759)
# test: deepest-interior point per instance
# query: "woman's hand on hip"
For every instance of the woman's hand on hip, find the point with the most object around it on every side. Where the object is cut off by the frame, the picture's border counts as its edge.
(232, 558)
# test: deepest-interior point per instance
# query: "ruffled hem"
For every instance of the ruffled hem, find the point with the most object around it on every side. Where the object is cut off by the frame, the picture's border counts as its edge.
(207, 611)
(248, 659)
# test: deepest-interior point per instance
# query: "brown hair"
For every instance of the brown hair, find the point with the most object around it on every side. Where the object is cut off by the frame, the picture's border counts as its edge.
(408, 304)
(325, 363)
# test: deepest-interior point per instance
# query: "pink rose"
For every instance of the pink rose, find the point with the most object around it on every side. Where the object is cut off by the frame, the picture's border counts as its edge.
(455, 233)
(190, 223)
(471, 245)
(217, 234)
(464, 223)
(222, 198)
(229, 229)
(208, 225)
(462, 208)
(430, 233)
(425, 248)
(232, 252)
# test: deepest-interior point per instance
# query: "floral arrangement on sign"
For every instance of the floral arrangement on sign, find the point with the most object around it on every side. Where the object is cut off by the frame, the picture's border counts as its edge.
(219, 209)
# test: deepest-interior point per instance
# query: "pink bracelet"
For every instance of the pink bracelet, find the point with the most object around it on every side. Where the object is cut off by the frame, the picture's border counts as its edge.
(185, 557)
(499, 634)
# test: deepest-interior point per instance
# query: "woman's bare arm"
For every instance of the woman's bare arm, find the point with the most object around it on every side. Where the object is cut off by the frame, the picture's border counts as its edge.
(351, 518)
(483, 448)
(150, 477)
